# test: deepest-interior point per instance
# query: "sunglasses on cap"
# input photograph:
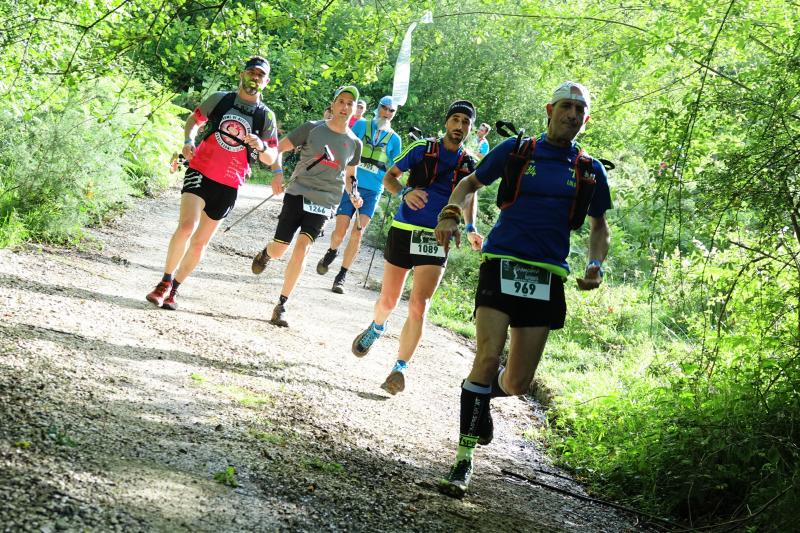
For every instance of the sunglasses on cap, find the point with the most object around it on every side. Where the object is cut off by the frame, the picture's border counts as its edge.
(389, 109)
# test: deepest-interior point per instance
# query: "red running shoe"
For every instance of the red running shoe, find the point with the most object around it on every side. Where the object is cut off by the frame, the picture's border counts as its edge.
(169, 301)
(159, 293)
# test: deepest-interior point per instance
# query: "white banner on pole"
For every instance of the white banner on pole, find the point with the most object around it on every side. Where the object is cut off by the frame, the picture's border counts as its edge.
(402, 68)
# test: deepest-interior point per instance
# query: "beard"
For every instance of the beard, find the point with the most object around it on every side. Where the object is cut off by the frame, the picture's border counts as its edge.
(384, 123)
(248, 88)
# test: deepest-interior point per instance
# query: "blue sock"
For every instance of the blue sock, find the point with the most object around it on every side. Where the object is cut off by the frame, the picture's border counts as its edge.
(378, 328)
(400, 366)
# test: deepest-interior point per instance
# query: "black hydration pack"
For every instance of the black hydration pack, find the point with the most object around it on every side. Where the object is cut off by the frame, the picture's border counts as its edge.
(516, 165)
(424, 173)
(215, 118)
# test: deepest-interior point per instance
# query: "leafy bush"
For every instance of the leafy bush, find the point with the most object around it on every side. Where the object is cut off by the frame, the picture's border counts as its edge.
(77, 159)
(707, 427)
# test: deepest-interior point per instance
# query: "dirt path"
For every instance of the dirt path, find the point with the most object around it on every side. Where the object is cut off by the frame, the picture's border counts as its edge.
(116, 415)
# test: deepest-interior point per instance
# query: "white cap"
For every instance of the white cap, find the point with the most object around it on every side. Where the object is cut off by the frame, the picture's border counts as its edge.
(571, 90)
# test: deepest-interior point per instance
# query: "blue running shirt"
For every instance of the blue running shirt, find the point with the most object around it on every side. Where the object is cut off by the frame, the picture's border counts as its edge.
(535, 229)
(438, 191)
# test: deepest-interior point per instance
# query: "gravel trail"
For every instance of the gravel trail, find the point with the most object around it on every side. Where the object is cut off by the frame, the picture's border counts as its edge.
(118, 416)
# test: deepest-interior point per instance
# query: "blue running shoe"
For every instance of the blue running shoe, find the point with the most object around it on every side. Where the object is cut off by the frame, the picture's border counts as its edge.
(364, 341)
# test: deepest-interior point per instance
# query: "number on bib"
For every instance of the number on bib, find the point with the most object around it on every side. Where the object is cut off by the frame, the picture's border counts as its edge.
(310, 207)
(524, 281)
(424, 243)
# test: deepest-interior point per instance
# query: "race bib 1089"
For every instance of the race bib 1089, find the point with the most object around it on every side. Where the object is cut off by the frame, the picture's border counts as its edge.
(424, 243)
(524, 281)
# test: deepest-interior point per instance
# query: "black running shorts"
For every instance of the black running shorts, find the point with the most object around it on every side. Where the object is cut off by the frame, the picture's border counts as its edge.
(398, 251)
(522, 312)
(293, 216)
(219, 198)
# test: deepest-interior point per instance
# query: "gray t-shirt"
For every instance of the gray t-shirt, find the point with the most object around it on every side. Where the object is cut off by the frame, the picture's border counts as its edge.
(323, 184)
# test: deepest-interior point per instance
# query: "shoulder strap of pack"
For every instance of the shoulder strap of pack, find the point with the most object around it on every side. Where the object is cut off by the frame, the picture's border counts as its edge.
(215, 116)
(259, 119)
(367, 131)
(431, 159)
(515, 167)
(225, 103)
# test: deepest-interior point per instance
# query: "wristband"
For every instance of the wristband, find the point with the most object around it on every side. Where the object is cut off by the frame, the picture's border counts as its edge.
(470, 228)
(597, 263)
(404, 191)
(278, 171)
(188, 141)
(451, 211)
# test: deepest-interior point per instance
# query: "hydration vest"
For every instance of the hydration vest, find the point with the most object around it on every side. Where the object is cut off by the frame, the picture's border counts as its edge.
(516, 165)
(215, 118)
(423, 173)
(375, 154)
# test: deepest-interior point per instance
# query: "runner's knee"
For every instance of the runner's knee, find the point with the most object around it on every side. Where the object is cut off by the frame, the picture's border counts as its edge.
(418, 307)
(185, 228)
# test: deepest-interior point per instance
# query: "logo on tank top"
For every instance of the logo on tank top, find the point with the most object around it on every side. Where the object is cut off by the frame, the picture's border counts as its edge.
(235, 126)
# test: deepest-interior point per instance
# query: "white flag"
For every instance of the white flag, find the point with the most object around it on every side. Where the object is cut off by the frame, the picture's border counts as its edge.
(402, 68)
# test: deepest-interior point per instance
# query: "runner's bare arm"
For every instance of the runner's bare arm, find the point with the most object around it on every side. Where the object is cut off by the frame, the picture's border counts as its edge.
(349, 179)
(266, 154)
(189, 133)
(470, 213)
(277, 175)
(391, 180)
(285, 145)
(464, 192)
(599, 240)
(448, 226)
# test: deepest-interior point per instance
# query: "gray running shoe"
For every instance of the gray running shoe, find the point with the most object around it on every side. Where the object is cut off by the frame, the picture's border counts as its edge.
(325, 262)
(338, 285)
(456, 483)
(279, 316)
(364, 341)
(395, 382)
(260, 262)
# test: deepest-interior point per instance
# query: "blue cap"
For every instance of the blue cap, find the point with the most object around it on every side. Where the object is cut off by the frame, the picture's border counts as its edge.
(388, 102)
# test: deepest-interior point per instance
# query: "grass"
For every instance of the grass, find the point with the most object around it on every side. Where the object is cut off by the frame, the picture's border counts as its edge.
(227, 477)
(242, 395)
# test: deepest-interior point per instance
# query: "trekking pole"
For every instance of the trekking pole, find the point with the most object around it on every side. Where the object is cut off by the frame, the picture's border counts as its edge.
(353, 189)
(326, 154)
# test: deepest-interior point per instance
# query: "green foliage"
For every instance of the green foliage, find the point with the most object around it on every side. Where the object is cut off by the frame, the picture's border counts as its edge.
(676, 382)
(227, 477)
(76, 159)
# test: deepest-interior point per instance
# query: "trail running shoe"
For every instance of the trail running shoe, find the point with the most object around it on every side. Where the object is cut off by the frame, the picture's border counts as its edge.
(338, 285)
(486, 429)
(159, 293)
(169, 301)
(395, 382)
(325, 262)
(457, 481)
(260, 262)
(364, 341)
(279, 316)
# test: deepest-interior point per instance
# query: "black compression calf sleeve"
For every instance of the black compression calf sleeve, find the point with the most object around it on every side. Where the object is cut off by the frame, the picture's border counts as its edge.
(474, 406)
